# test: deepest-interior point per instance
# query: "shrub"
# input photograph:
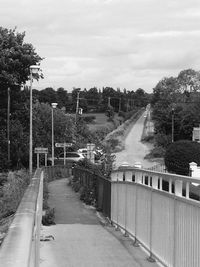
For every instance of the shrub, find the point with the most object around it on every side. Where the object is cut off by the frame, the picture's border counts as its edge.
(89, 119)
(179, 154)
(49, 217)
(12, 192)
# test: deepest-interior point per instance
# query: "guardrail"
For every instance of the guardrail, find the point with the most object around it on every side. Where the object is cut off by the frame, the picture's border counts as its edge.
(102, 186)
(156, 209)
(20, 247)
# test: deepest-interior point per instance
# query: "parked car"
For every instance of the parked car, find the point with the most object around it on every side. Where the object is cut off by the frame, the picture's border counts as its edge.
(83, 151)
(70, 157)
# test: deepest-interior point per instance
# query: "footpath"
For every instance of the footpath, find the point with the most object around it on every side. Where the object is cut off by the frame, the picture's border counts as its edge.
(80, 237)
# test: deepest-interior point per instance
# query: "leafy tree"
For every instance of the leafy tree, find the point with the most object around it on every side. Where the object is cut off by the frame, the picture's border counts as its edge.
(179, 154)
(48, 95)
(62, 97)
(189, 80)
(16, 56)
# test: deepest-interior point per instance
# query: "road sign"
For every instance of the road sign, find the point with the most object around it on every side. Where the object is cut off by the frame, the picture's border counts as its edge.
(63, 144)
(41, 150)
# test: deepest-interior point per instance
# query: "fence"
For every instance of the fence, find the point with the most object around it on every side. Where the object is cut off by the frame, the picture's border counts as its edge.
(20, 247)
(102, 187)
(58, 171)
(156, 209)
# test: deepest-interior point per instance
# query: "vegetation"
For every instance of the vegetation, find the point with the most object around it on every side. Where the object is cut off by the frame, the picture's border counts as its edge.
(175, 104)
(12, 192)
(179, 154)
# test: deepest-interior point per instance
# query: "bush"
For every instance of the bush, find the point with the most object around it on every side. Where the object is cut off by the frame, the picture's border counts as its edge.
(89, 119)
(48, 218)
(12, 192)
(179, 154)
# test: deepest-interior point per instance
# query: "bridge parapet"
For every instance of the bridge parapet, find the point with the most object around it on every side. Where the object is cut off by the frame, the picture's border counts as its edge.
(20, 247)
(161, 211)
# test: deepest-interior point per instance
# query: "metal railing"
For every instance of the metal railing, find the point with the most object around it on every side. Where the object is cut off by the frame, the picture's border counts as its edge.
(20, 247)
(102, 186)
(156, 209)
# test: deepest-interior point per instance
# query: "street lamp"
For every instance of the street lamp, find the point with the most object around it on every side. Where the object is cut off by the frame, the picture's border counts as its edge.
(54, 105)
(33, 70)
(172, 125)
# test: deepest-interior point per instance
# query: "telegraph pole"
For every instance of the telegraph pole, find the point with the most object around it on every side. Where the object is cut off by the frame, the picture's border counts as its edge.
(172, 125)
(8, 126)
(77, 105)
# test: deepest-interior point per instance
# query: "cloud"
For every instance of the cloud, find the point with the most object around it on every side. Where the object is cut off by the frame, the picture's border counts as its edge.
(127, 43)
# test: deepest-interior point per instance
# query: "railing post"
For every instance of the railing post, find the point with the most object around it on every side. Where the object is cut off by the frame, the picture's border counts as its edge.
(179, 188)
(170, 185)
(155, 182)
(151, 258)
(126, 233)
(135, 243)
(117, 228)
(128, 176)
(187, 190)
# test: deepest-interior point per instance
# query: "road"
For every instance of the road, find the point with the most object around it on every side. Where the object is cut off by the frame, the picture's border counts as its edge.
(135, 150)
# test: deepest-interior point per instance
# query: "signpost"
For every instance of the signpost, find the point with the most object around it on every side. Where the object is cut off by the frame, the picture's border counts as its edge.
(41, 150)
(64, 145)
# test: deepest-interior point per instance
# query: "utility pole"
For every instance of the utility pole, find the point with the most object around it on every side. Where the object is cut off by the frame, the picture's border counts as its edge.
(109, 101)
(119, 105)
(8, 126)
(77, 105)
(172, 125)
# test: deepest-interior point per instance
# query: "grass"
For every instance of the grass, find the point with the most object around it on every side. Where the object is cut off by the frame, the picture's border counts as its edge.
(101, 121)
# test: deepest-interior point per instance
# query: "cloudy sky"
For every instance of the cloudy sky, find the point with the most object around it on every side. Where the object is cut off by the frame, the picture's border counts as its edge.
(119, 43)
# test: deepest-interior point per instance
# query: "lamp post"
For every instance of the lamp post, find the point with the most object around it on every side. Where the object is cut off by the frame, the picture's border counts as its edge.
(33, 70)
(54, 105)
(8, 127)
(172, 125)
(77, 105)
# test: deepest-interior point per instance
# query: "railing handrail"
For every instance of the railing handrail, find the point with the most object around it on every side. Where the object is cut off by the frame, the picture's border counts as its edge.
(19, 243)
(167, 176)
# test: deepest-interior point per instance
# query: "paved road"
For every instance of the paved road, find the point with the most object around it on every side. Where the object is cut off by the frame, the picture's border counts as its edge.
(135, 150)
(80, 239)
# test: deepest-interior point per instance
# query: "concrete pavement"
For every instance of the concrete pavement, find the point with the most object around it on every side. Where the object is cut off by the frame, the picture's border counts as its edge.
(80, 238)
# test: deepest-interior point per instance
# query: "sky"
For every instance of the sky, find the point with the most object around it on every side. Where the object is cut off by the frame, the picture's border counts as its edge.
(118, 43)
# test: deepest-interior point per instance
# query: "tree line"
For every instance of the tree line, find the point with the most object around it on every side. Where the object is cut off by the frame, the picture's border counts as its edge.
(16, 57)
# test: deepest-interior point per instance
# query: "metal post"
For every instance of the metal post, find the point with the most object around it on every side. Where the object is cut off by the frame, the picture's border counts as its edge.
(31, 130)
(119, 105)
(8, 127)
(77, 106)
(109, 101)
(64, 153)
(38, 160)
(151, 258)
(52, 143)
(172, 125)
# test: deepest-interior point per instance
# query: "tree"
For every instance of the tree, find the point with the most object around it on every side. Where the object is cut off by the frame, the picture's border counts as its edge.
(179, 154)
(62, 97)
(48, 95)
(189, 80)
(16, 56)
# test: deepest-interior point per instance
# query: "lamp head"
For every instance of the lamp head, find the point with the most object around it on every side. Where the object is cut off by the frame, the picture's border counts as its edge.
(34, 68)
(54, 105)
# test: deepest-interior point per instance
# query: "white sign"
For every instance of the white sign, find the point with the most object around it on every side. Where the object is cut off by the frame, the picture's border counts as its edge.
(41, 150)
(63, 144)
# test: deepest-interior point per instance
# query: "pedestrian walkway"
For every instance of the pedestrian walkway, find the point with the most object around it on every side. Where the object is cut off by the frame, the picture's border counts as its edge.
(80, 239)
